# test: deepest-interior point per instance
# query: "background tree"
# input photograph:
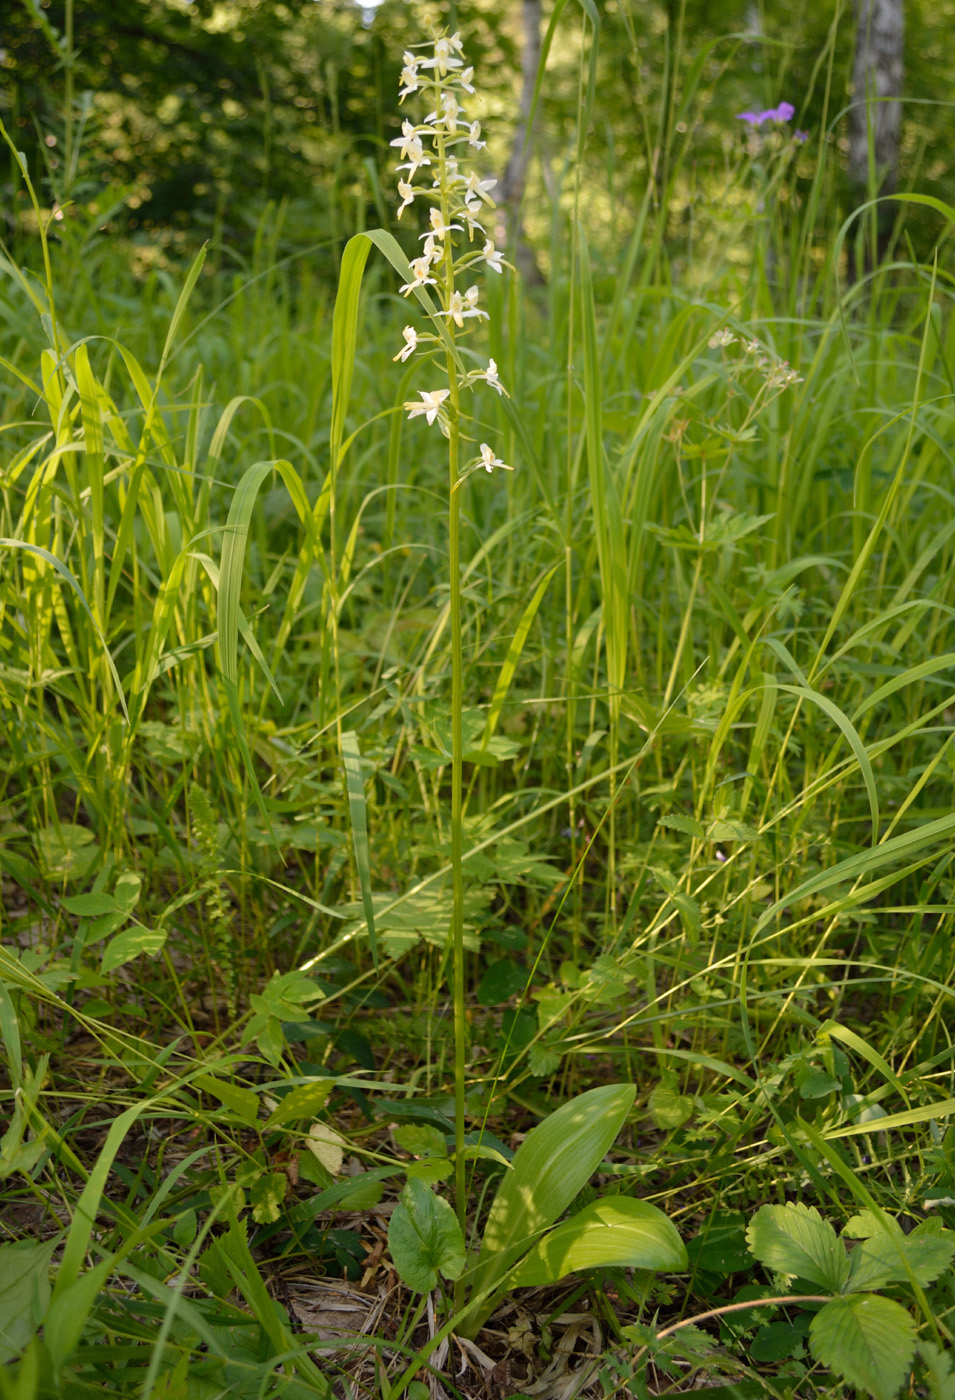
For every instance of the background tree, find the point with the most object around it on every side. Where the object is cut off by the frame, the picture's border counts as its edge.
(875, 117)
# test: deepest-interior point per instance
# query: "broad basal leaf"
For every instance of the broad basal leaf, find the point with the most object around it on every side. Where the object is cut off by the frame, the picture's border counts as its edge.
(794, 1239)
(424, 1238)
(868, 1341)
(555, 1160)
(616, 1232)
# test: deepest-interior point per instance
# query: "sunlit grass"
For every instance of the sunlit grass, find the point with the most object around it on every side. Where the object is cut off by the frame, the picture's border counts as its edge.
(707, 646)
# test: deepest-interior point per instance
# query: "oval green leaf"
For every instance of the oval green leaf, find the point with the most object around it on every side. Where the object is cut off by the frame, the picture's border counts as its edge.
(616, 1232)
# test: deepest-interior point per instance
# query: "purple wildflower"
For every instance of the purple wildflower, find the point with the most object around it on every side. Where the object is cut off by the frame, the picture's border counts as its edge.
(783, 113)
(800, 137)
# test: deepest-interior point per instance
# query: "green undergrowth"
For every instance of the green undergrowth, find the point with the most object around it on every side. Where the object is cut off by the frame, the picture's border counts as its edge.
(708, 645)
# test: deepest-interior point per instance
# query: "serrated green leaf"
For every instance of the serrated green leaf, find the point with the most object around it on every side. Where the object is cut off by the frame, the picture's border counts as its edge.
(794, 1239)
(867, 1340)
(542, 1059)
(889, 1258)
(424, 1238)
(775, 1341)
(721, 830)
(186, 1228)
(617, 1232)
(938, 1371)
(688, 825)
(420, 1139)
(690, 915)
(865, 1223)
(266, 1194)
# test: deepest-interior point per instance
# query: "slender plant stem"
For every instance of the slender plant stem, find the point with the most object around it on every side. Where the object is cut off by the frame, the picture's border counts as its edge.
(457, 843)
(457, 706)
(779, 1302)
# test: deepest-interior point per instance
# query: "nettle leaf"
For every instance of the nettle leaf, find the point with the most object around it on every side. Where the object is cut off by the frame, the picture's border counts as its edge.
(690, 915)
(794, 1239)
(503, 979)
(689, 826)
(424, 1238)
(868, 1341)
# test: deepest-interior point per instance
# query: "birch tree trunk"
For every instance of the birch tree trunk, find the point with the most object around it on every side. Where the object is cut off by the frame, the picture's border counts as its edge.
(515, 173)
(876, 112)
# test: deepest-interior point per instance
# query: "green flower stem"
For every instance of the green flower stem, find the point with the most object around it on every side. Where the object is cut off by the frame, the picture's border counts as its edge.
(457, 707)
(457, 843)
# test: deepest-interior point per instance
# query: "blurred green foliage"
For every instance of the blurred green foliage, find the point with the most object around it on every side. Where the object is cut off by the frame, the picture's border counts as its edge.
(189, 116)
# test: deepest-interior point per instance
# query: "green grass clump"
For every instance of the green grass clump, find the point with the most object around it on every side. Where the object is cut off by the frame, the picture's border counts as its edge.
(692, 663)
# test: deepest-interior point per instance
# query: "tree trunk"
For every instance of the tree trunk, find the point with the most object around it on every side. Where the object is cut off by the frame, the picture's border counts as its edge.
(876, 108)
(515, 174)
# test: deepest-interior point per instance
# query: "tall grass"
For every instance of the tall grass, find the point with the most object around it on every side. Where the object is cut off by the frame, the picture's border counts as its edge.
(707, 640)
